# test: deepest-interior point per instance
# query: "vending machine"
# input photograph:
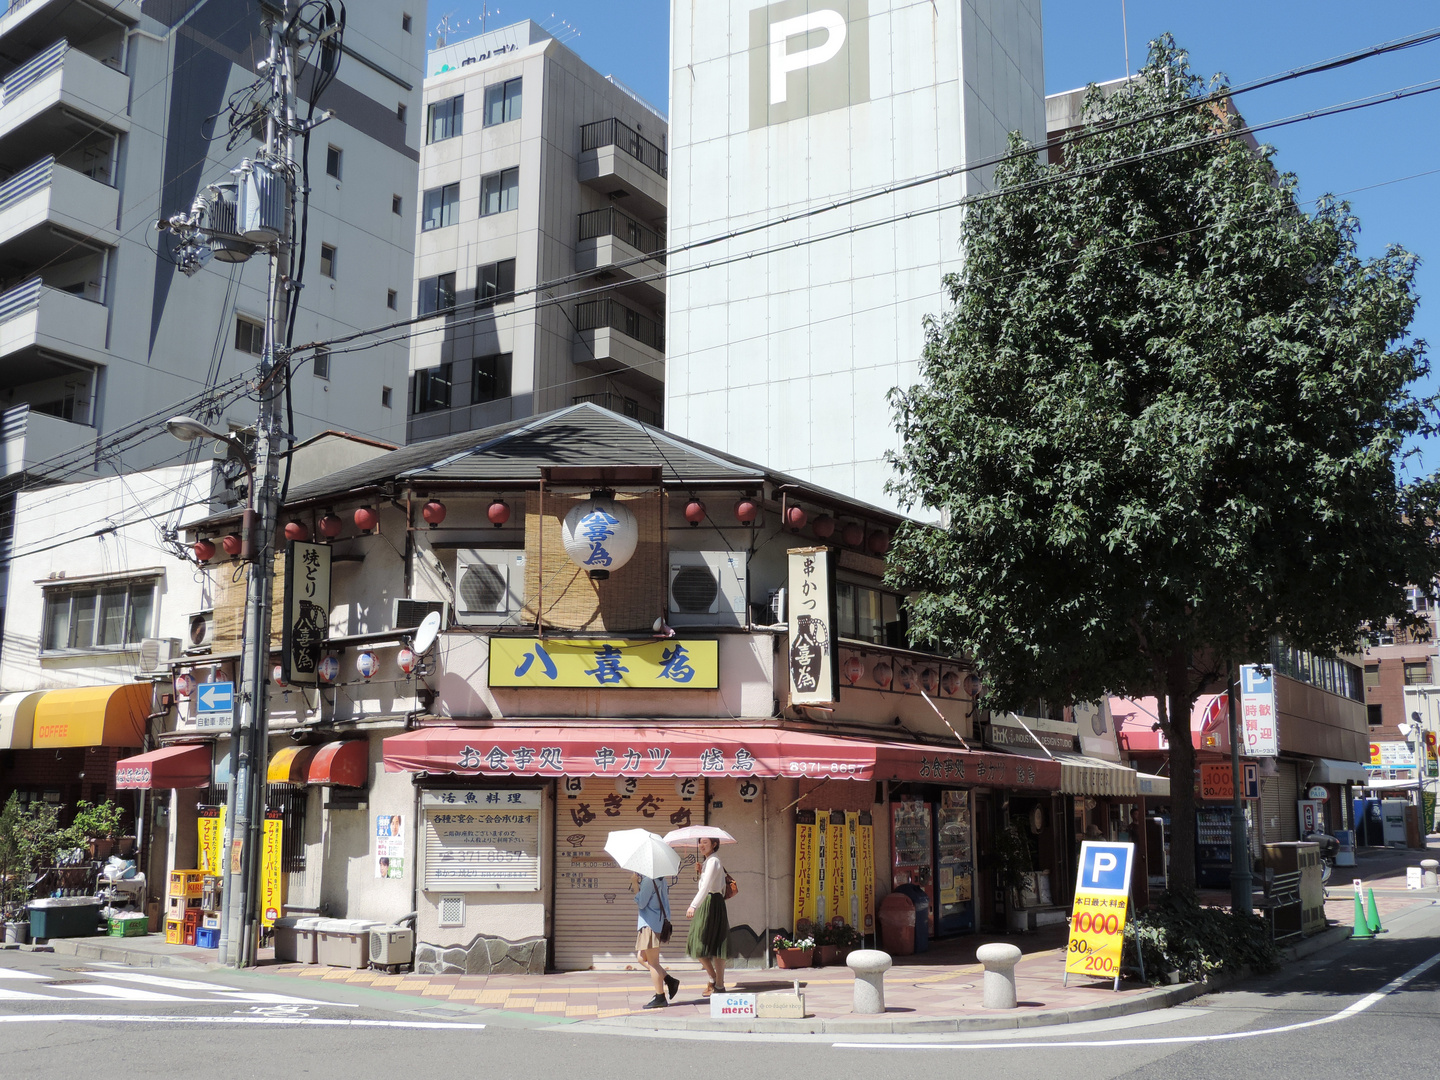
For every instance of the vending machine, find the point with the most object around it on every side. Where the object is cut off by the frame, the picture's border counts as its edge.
(912, 840)
(954, 863)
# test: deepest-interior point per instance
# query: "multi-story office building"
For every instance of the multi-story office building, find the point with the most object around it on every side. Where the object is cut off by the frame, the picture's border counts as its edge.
(784, 340)
(540, 240)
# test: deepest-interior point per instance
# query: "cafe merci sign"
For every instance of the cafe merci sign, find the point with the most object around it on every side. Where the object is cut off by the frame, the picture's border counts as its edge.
(1097, 919)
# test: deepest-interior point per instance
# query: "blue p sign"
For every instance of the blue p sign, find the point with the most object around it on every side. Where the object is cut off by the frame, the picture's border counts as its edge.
(1105, 868)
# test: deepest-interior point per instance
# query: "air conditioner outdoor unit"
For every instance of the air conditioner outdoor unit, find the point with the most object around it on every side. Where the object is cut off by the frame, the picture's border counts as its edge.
(156, 652)
(202, 630)
(489, 586)
(778, 612)
(707, 588)
(391, 945)
(409, 613)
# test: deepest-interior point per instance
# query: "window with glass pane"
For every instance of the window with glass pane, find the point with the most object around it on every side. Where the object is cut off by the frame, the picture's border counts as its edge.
(1417, 673)
(437, 293)
(495, 284)
(442, 207)
(1372, 675)
(432, 389)
(502, 102)
(500, 192)
(103, 617)
(446, 119)
(490, 381)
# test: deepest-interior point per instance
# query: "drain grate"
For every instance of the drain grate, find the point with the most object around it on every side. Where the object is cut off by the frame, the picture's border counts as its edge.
(68, 982)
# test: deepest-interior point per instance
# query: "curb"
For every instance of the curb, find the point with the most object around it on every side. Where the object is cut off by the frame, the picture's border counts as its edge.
(98, 948)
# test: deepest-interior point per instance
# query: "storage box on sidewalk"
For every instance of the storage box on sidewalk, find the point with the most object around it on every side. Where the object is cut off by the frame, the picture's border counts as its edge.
(188, 883)
(65, 916)
(208, 937)
(295, 939)
(344, 942)
(133, 925)
(174, 932)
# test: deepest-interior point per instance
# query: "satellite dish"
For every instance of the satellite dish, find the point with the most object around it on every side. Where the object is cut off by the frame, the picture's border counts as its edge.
(425, 636)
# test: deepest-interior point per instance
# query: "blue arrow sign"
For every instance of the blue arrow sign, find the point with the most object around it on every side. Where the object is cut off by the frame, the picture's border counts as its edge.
(215, 697)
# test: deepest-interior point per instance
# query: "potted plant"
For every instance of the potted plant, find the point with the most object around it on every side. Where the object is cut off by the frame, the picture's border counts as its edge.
(1013, 862)
(835, 941)
(847, 940)
(29, 842)
(793, 952)
(97, 825)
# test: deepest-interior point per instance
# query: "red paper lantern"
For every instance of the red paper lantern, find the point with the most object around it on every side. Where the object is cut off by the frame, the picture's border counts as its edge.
(878, 542)
(823, 527)
(852, 669)
(853, 534)
(499, 513)
(184, 684)
(906, 677)
(406, 659)
(366, 519)
(433, 512)
(795, 518)
(331, 526)
(973, 686)
(746, 511)
(297, 531)
(231, 544)
(204, 550)
(694, 512)
(883, 674)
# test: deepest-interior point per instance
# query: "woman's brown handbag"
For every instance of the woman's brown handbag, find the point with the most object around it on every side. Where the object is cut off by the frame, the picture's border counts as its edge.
(731, 889)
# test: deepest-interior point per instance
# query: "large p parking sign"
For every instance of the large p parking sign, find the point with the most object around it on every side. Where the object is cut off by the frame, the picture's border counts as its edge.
(1105, 868)
(1102, 901)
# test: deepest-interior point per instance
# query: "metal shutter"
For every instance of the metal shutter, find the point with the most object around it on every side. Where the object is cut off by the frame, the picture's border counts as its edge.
(594, 910)
(1270, 823)
(1288, 791)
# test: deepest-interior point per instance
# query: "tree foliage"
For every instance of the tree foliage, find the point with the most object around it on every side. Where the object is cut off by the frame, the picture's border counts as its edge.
(1164, 417)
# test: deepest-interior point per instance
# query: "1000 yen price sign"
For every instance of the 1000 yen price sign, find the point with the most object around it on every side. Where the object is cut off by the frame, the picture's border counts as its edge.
(1096, 937)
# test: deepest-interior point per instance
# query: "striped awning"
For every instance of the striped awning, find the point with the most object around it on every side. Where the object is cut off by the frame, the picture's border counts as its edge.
(1094, 776)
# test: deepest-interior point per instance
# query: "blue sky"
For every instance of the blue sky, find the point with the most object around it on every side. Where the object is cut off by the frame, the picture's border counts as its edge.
(1385, 160)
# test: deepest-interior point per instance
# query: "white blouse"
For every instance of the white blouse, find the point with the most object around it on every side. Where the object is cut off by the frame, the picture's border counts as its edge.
(712, 878)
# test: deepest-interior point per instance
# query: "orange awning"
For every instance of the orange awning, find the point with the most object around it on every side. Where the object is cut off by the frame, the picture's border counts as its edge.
(290, 764)
(168, 767)
(344, 764)
(92, 716)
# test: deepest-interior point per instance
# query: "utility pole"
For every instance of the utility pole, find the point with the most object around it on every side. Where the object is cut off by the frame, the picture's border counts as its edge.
(1241, 883)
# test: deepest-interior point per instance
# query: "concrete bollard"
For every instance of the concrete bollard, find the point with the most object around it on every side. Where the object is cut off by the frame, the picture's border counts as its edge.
(869, 966)
(999, 960)
(1429, 878)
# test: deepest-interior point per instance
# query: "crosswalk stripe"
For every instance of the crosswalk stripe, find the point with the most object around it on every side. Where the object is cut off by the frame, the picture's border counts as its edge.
(20, 995)
(155, 980)
(124, 993)
(10, 973)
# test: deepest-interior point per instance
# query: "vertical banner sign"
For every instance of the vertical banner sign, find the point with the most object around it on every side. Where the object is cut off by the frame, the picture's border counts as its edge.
(211, 823)
(822, 864)
(814, 674)
(867, 877)
(837, 904)
(307, 611)
(852, 868)
(804, 873)
(1097, 919)
(272, 882)
(1257, 712)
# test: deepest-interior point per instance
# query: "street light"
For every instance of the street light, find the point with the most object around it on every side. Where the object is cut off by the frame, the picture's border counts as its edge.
(188, 429)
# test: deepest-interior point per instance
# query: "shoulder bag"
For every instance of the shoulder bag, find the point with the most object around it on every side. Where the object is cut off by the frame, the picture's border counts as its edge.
(731, 889)
(665, 928)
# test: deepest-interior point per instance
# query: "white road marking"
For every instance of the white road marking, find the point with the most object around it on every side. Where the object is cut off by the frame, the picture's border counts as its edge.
(11, 973)
(278, 999)
(156, 980)
(20, 995)
(1353, 1009)
(123, 993)
(283, 1021)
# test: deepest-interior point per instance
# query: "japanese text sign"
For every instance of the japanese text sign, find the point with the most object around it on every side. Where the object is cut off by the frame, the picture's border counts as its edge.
(307, 611)
(1258, 720)
(593, 663)
(1097, 918)
(482, 839)
(814, 673)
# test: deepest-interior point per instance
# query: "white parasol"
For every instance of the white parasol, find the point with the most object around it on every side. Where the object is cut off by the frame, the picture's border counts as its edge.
(642, 853)
(691, 833)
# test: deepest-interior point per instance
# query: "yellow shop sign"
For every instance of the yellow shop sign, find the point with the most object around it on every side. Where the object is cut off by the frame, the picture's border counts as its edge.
(597, 663)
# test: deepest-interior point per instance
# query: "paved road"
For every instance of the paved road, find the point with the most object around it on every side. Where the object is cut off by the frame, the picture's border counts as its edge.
(1358, 1009)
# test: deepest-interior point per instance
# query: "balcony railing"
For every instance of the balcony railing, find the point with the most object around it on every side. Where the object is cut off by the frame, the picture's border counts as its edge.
(612, 132)
(612, 222)
(605, 313)
(31, 72)
(24, 297)
(27, 182)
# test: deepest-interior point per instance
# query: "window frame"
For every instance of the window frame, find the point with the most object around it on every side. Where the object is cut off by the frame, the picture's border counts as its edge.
(397, 205)
(255, 329)
(328, 254)
(91, 594)
(490, 281)
(500, 377)
(436, 308)
(392, 299)
(495, 182)
(450, 115)
(511, 103)
(320, 363)
(422, 380)
(335, 155)
(448, 208)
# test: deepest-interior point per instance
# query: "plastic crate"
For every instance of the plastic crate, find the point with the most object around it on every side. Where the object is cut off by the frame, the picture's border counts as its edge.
(208, 937)
(174, 932)
(129, 926)
(193, 918)
(211, 920)
(176, 906)
(188, 933)
(189, 883)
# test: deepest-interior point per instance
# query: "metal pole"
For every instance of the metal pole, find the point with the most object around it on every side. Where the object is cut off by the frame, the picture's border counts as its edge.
(1241, 898)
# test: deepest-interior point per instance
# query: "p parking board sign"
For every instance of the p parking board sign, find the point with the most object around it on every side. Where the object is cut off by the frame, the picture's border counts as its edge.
(214, 704)
(1102, 901)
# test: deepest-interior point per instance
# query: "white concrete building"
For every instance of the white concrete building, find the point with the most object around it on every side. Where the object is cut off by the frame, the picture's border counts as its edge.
(784, 341)
(542, 192)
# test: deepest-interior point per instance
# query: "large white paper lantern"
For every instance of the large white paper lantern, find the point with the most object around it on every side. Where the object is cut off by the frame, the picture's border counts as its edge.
(600, 536)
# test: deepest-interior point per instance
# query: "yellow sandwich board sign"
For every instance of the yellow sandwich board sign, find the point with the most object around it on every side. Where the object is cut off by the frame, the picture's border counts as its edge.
(1102, 902)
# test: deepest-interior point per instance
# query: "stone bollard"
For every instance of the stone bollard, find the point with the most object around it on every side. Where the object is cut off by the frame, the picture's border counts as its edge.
(999, 960)
(869, 966)
(1429, 877)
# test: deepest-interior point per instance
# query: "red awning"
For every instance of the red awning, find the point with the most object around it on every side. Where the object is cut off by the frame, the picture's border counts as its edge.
(171, 767)
(573, 750)
(344, 764)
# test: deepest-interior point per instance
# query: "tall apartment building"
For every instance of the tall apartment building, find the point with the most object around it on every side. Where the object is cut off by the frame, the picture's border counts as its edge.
(784, 341)
(107, 123)
(540, 238)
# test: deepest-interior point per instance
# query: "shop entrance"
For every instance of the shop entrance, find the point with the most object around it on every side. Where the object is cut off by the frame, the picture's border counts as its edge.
(594, 924)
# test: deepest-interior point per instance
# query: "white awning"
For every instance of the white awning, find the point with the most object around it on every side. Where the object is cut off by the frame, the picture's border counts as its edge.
(1331, 771)
(1094, 776)
(1153, 786)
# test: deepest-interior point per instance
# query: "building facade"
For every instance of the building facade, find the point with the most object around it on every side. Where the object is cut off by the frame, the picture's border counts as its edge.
(540, 239)
(787, 327)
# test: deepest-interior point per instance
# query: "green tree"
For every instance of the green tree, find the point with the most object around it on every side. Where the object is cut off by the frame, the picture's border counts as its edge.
(1164, 418)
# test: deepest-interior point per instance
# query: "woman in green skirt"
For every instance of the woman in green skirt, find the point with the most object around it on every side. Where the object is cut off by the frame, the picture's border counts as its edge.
(709, 940)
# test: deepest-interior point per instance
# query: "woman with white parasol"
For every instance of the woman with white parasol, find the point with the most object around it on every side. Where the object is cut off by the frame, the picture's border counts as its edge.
(651, 860)
(709, 940)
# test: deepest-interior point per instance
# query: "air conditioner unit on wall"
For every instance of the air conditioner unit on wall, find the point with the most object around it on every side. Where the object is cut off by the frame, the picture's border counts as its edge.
(489, 586)
(156, 652)
(408, 613)
(391, 945)
(707, 588)
(202, 630)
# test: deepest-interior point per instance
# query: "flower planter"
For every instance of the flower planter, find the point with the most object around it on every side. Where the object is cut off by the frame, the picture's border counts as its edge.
(794, 958)
(125, 847)
(101, 849)
(827, 955)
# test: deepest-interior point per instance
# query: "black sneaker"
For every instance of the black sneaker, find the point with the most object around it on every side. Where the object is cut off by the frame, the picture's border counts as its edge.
(672, 984)
(657, 1002)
